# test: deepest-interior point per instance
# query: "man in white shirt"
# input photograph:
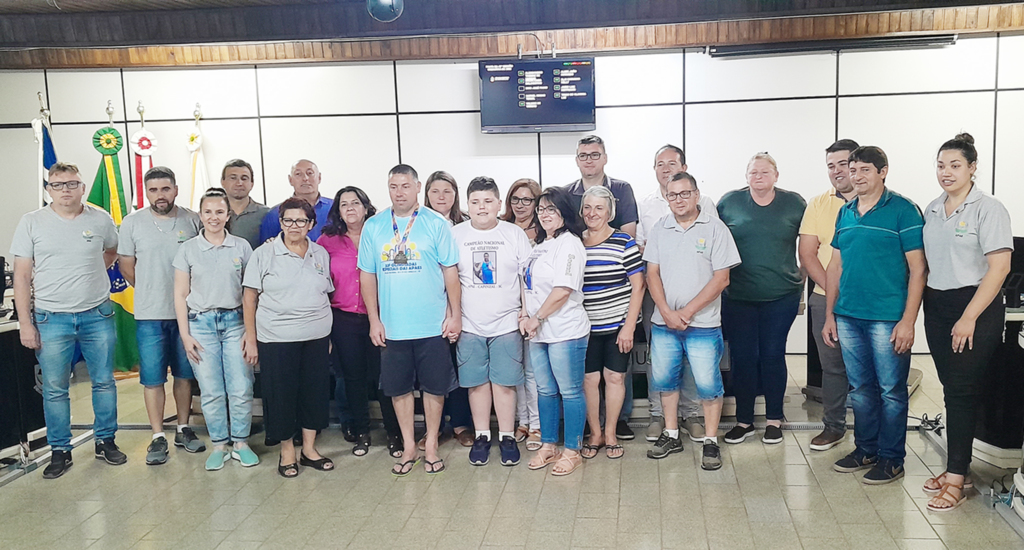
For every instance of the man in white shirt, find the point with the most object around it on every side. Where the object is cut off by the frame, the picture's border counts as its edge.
(669, 161)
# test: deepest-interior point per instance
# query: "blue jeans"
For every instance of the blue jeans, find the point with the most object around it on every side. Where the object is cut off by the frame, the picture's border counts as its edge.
(93, 331)
(559, 369)
(159, 348)
(224, 378)
(879, 379)
(757, 333)
(700, 348)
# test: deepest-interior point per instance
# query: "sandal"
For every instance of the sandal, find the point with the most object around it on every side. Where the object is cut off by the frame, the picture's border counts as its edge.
(947, 497)
(400, 470)
(938, 480)
(567, 463)
(288, 470)
(541, 461)
(590, 451)
(614, 452)
(324, 464)
(362, 445)
(522, 432)
(533, 442)
(395, 446)
(432, 467)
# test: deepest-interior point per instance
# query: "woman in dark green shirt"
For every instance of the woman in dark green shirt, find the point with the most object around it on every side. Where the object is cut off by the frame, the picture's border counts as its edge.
(763, 295)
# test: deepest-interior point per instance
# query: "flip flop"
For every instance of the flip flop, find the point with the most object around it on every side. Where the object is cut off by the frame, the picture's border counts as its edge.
(398, 470)
(614, 449)
(434, 469)
(590, 451)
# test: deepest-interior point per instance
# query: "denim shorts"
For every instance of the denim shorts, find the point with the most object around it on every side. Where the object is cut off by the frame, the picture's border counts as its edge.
(160, 347)
(703, 349)
(498, 359)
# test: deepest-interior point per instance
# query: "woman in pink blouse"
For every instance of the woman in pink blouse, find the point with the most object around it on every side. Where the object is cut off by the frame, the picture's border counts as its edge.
(357, 359)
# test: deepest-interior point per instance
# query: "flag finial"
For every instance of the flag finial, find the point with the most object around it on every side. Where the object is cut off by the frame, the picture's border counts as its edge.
(198, 113)
(110, 111)
(142, 114)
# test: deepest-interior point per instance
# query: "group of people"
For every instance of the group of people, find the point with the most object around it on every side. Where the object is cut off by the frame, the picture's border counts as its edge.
(532, 312)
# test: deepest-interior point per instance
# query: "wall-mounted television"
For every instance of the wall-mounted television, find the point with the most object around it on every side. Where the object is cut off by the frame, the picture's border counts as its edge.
(537, 95)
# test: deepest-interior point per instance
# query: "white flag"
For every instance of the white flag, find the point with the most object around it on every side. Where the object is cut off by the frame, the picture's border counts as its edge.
(197, 167)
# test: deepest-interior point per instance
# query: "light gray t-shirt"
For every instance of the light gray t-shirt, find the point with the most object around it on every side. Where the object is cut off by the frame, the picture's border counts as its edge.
(956, 246)
(688, 259)
(154, 242)
(69, 275)
(215, 271)
(294, 305)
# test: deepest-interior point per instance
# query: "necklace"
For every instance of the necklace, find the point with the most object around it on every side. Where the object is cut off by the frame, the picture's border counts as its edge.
(160, 229)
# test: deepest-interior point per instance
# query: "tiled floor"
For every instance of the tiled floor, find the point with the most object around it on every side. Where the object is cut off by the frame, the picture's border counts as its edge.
(780, 496)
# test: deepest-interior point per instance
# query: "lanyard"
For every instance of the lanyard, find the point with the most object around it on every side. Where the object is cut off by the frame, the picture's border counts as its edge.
(408, 228)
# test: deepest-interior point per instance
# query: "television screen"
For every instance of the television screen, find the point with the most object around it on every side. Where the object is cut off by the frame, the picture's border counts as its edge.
(537, 95)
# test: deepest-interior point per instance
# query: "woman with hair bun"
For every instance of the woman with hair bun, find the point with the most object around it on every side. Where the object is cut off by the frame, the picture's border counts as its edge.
(967, 242)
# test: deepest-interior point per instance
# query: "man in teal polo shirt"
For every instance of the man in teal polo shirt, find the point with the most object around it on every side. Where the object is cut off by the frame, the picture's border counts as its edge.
(874, 286)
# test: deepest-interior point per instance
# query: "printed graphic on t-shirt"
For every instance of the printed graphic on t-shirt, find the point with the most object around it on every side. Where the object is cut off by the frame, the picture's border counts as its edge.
(961, 229)
(528, 274)
(484, 267)
(398, 258)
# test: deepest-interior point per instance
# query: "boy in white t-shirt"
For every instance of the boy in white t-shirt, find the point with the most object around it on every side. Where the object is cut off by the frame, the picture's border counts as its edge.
(490, 349)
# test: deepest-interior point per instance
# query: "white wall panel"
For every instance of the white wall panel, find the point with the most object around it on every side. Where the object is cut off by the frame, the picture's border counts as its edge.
(352, 88)
(910, 130)
(348, 150)
(453, 143)
(920, 70)
(631, 134)
(74, 144)
(223, 140)
(81, 96)
(637, 79)
(19, 184)
(438, 86)
(710, 79)
(173, 94)
(18, 100)
(1009, 144)
(1011, 61)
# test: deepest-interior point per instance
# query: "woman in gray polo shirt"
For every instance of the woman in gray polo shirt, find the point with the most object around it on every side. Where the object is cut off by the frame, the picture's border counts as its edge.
(968, 242)
(288, 326)
(208, 304)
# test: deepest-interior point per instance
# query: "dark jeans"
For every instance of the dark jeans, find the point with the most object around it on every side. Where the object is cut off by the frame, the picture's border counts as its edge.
(962, 374)
(295, 377)
(358, 361)
(456, 405)
(834, 384)
(757, 332)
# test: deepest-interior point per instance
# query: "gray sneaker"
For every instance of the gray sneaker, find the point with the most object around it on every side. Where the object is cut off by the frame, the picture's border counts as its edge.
(655, 428)
(712, 457)
(187, 439)
(156, 453)
(693, 427)
(665, 445)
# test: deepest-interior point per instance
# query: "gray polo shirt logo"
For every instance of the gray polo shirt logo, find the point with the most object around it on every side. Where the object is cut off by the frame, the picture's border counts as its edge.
(961, 229)
(701, 245)
(88, 235)
(236, 263)
(182, 237)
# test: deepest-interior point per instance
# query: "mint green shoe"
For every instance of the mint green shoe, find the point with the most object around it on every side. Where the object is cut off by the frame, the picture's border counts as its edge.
(246, 457)
(217, 460)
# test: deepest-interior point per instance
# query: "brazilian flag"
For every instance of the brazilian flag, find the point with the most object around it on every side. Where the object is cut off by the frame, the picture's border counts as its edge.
(108, 193)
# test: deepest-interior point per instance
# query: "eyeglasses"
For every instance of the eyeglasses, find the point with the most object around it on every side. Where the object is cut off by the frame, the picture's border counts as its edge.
(522, 200)
(596, 155)
(288, 222)
(59, 185)
(672, 197)
(547, 210)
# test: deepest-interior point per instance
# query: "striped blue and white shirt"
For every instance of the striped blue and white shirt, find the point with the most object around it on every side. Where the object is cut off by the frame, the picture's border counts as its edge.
(606, 286)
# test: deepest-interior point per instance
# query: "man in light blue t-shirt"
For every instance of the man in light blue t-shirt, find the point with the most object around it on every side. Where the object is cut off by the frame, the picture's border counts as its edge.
(409, 279)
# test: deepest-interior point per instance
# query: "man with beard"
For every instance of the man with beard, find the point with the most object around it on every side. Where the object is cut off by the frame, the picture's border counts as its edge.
(244, 214)
(148, 242)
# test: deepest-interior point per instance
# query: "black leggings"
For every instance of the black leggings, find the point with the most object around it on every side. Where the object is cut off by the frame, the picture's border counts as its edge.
(962, 374)
(359, 362)
(296, 387)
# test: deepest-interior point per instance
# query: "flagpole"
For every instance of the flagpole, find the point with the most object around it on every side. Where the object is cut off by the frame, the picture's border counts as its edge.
(44, 115)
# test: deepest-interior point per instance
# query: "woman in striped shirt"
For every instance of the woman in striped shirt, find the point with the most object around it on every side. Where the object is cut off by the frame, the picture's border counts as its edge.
(613, 290)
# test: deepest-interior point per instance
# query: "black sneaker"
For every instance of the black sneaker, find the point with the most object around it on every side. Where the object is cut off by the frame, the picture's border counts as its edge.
(854, 461)
(509, 451)
(188, 439)
(738, 434)
(886, 471)
(772, 435)
(481, 451)
(623, 431)
(665, 445)
(712, 457)
(108, 451)
(60, 462)
(156, 453)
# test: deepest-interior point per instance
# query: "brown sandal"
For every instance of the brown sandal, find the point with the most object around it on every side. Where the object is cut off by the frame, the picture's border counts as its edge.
(567, 463)
(541, 461)
(968, 484)
(947, 497)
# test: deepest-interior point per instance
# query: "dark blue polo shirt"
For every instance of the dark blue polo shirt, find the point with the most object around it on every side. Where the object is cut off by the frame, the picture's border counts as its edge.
(271, 225)
(625, 203)
(873, 286)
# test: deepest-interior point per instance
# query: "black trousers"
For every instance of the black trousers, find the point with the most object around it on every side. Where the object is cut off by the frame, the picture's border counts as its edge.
(296, 387)
(962, 374)
(359, 362)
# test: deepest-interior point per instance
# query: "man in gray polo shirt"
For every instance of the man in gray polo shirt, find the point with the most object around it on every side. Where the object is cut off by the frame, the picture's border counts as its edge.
(62, 252)
(245, 214)
(689, 255)
(149, 240)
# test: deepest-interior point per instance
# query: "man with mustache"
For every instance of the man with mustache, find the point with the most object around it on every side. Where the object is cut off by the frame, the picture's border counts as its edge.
(148, 242)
